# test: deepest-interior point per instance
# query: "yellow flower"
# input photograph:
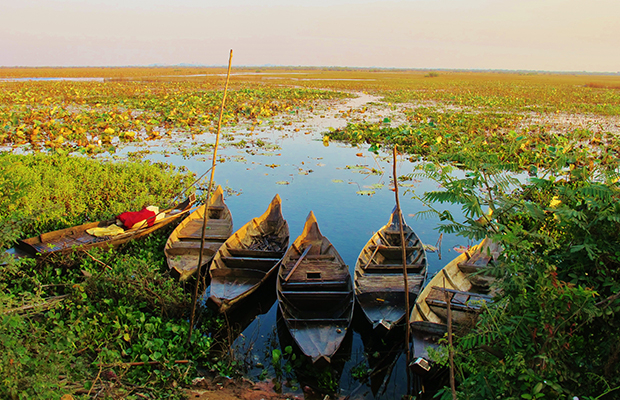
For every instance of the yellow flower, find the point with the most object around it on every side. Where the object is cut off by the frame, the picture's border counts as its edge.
(555, 202)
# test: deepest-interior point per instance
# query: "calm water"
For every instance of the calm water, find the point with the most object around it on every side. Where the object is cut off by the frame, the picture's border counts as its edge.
(318, 179)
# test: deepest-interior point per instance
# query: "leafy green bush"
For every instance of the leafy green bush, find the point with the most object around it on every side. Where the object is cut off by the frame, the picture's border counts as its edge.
(109, 321)
(552, 333)
(53, 192)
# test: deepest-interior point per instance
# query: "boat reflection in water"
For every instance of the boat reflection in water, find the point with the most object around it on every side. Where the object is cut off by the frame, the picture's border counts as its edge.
(300, 373)
(258, 305)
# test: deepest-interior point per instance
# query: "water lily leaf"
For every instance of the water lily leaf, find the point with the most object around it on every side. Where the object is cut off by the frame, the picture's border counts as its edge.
(283, 183)
(375, 186)
(337, 180)
(366, 192)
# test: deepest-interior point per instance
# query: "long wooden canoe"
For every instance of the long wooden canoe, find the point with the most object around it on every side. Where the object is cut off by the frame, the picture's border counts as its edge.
(183, 246)
(379, 281)
(248, 258)
(77, 237)
(467, 288)
(315, 293)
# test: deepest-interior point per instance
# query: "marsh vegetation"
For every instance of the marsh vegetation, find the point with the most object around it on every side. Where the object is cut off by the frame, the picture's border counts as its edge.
(539, 150)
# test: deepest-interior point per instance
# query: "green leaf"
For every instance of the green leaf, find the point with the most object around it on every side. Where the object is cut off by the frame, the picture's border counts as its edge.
(276, 354)
(538, 387)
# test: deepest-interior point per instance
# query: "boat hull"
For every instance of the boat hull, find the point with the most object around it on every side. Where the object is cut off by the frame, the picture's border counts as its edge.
(77, 238)
(315, 294)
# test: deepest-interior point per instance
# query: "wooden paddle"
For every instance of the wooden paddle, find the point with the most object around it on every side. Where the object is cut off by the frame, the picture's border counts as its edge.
(297, 263)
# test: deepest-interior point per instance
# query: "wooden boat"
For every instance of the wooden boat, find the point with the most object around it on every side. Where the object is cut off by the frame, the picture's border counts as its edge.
(248, 258)
(379, 281)
(183, 246)
(464, 284)
(77, 237)
(315, 293)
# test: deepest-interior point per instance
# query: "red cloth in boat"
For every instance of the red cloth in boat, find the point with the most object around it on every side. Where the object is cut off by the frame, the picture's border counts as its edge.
(131, 218)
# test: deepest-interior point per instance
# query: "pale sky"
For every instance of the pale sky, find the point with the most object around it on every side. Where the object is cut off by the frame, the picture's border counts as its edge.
(552, 35)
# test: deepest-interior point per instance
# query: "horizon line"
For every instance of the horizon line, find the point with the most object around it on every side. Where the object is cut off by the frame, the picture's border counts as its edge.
(187, 65)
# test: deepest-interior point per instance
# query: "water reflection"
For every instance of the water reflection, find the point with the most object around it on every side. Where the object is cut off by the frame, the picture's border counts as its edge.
(314, 380)
(295, 163)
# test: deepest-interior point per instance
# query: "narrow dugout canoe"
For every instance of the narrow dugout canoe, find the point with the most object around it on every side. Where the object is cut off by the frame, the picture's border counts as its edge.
(467, 287)
(183, 246)
(248, 258)
(77, 237)
(315, 293)
(379, 280)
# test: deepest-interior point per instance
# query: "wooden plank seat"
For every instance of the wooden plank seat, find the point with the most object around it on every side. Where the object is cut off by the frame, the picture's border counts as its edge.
(459, 300)
(316, 300)
(250, 262)
(383, 268)
(292, 286)
(462, 293)
(315, 257)
(476, 262)
(194, 245)
(216, 229)
(388, 283)
(469, 307)
(316, 272)
(314, 265)
(255, 253)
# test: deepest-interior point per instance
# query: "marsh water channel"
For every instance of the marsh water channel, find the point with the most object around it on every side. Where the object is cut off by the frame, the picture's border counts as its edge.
(349, 190)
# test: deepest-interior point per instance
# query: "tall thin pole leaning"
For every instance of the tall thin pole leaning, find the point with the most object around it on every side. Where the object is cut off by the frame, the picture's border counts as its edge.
(404, 256)
(450, 348)
(206, 213)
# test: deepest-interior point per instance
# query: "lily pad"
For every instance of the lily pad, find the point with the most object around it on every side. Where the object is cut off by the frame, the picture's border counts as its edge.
(375, 186)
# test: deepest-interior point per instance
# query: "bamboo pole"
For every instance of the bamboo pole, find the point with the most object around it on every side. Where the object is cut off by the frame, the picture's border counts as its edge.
(404, 257)
(450, 350)
(206, 213)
